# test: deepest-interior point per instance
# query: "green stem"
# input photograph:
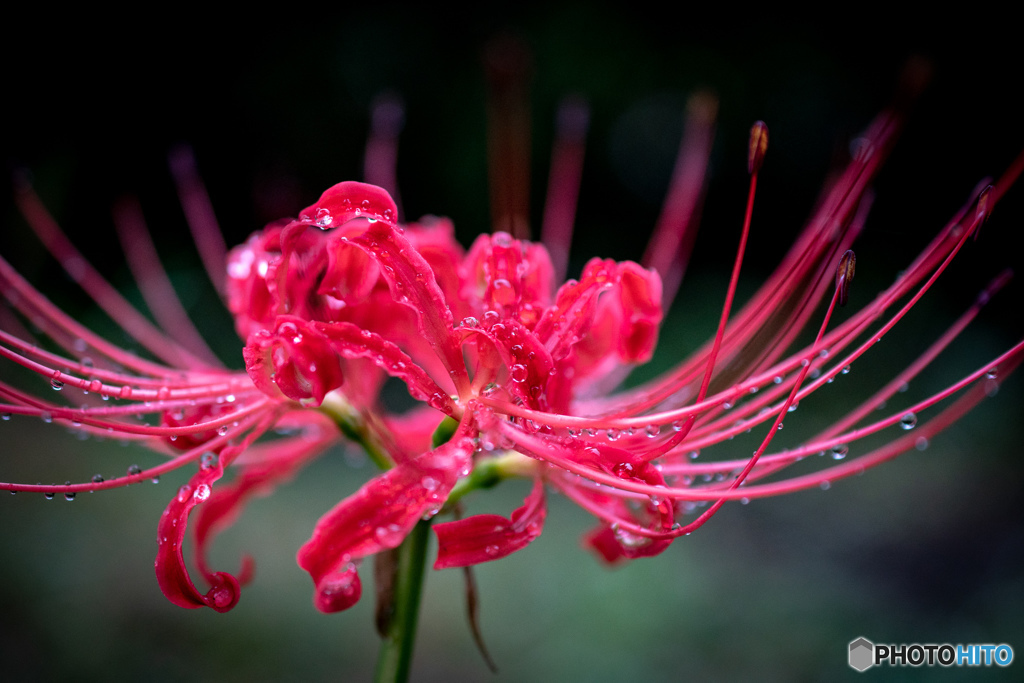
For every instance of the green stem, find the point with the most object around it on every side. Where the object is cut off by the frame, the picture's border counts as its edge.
(397, 645)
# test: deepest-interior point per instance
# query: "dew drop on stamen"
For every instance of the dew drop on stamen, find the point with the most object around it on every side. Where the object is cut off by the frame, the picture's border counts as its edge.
(5, 417)
(133, 470)
(921, 443)
(839, 451)
(825, 485)
(97, 478)
(908, 421)
(777, 379)
(126, 392)
(46, 416)
(56, 384)
(652, 430)
(49, 495)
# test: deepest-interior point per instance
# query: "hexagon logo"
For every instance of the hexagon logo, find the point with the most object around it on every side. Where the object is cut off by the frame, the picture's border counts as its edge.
(862, 654)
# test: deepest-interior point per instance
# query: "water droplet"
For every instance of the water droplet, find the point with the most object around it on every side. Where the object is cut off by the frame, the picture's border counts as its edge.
(5, 417)
(202, 493)
(155, 480)
(519, 373)
(222, 430)
(677, 426)
(612, 434)
(208, 460)
(390, 535)
(46, 416)
(921, 443)
(184, 492)
(492, 550)
(49, 495)
(133, 470)
(97, 478)
(839, 451)
(469, 321)
(744, 501)
(777, 379)
(993, 373)
(908, 421)
(56, 384)
(793, 406)
(163, 393)
(825, 485)
(126, 392)
(323, 217)
(69, 496)
(429, 483)
(652, 430)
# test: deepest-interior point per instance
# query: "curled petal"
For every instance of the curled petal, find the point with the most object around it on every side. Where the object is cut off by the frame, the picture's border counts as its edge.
(483, 538)
(295, 360)
(379, 516)
(346, 201)
(639, 296)
(171, 573)
(411, 282)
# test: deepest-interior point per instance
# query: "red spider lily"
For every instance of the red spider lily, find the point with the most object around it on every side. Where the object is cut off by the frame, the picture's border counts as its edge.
(516, 376)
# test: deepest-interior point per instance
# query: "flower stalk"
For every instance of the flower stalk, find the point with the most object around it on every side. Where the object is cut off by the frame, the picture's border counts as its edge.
(399, 638)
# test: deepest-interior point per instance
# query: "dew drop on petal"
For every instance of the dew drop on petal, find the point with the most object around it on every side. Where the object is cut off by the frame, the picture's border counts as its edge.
(519, 373)
(184, 492)
(202, 492)
(492, 550)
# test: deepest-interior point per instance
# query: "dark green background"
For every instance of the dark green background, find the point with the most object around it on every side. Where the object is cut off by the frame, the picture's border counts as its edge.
(925, 549)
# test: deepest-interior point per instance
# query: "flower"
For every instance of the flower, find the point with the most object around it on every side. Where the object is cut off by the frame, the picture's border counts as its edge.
(515, 376)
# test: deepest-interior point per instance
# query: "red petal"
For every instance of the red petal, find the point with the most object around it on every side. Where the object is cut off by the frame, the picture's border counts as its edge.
(483, 538)
(379, 516)
(348, 200)
(171, 573)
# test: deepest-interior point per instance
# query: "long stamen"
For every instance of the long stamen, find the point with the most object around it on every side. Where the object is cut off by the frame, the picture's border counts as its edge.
(564, 182)
(199, 215)
(507, 63)
(669, 250)
(154, 284)
(380, 163)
